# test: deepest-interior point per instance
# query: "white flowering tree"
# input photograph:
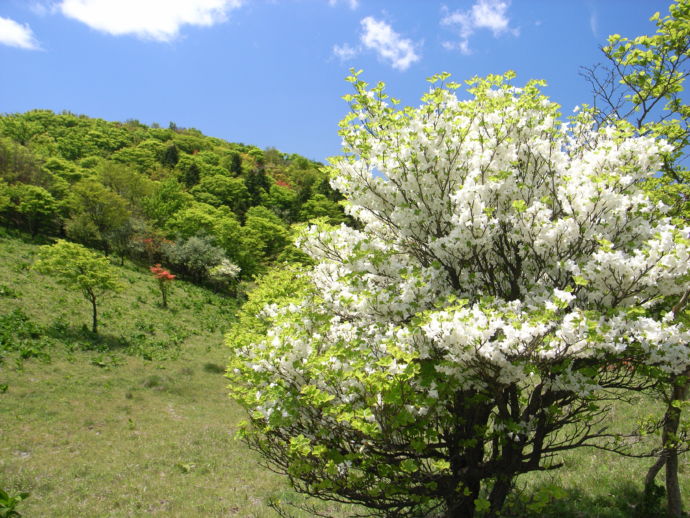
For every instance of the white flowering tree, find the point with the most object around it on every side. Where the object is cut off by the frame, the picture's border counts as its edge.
(506, 271)
(644, 84)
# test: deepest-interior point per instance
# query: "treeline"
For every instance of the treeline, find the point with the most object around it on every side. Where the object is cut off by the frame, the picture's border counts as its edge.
(214, 211)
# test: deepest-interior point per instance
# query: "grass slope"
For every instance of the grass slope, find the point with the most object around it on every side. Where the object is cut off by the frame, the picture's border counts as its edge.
(136, 422)
(92, 428)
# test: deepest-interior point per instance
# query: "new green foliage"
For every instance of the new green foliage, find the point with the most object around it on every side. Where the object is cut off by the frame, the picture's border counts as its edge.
(79, 268)
(97, 212)
(112, 185)
(34, 205)
(220, 190)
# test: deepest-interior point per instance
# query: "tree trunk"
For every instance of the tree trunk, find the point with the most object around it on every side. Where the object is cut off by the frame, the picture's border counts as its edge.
(651, 474)
(669, 455)
(465, 458)
(460, 504)
(679, 392)
(94, 324)
(498, 495)
(674, 501)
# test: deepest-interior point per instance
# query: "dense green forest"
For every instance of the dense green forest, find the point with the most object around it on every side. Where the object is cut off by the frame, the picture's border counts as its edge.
(216, 212)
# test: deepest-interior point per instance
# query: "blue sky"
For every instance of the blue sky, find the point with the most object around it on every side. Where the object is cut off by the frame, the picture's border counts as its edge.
(270, 72)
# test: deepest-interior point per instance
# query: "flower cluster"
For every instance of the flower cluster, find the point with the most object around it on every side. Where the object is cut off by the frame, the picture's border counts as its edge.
(161, 273)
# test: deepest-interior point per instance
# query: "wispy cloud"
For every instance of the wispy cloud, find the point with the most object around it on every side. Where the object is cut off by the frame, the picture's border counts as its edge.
(41, 8)
(158, 20)
(15, 34)
(345, 52)
(484, 14)
(388, 44)
(594, 23)
(354, 4)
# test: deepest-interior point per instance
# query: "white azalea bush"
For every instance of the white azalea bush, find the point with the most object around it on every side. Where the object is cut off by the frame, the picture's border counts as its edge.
(505, 273)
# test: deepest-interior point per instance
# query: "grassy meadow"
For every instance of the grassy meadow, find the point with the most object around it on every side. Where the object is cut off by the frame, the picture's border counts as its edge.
(136, 421)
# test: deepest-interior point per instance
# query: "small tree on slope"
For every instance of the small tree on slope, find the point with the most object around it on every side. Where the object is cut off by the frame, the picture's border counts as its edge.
(164, 277)
(505, 272)
(80, 269)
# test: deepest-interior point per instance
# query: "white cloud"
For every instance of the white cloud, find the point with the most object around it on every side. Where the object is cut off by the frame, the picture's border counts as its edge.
(388, 44)
(344, 52)
(484, 14)
(16, 35)
(354, 4)
(150, 19)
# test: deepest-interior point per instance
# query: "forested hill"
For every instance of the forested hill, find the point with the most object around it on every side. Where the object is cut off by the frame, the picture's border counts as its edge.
(202, 205)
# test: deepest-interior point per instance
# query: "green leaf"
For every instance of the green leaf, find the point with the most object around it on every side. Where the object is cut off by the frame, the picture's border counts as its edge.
(409, 466)
(580, 281)
(519, 205)
(481, 505)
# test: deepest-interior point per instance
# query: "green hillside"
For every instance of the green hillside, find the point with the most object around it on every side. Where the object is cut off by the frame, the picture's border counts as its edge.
(132, 422)
(135, 420)
(155, 194)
